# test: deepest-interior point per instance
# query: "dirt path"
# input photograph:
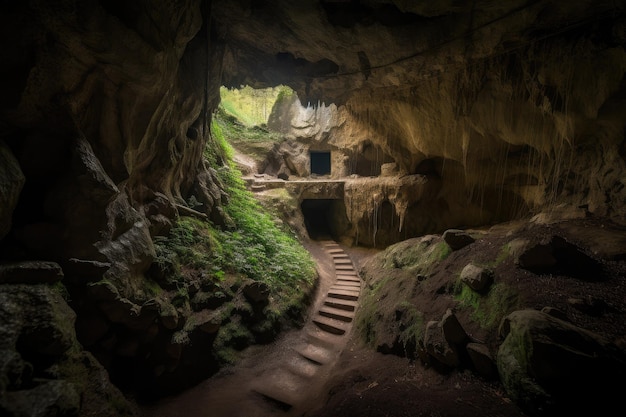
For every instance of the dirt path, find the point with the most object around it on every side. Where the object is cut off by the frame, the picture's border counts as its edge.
(288, 377)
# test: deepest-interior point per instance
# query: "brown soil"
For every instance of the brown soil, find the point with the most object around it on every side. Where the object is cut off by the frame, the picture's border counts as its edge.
(369, 383)
(373, 384)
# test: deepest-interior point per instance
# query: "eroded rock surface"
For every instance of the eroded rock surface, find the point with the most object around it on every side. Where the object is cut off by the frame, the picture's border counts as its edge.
(44, 370)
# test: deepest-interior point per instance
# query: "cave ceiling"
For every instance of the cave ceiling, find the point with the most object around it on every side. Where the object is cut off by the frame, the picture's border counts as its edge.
(327, 50)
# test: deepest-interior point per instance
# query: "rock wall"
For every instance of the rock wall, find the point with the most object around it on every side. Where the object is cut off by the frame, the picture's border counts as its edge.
(515, 134)
(104, 118)
(507, 110)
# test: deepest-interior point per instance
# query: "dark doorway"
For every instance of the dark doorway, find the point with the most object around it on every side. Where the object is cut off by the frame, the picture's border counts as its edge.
(320, 162)
(324, 219)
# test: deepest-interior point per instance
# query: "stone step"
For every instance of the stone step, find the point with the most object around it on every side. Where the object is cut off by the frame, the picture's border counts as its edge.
(337, 286)
(319, 337)
(302, 366)
(336, 313)
(342, 261)
(343, 294)
(333, 250)
(347, 284)
(351, 278)
(352, 273)
(339, 255)
(258, 187)
(282, 387)
(341, 269)
(331, 325)
(315, 353)
(348, 305)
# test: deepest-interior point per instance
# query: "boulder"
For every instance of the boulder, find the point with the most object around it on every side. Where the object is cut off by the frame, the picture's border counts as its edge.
(477, 278)
(537, 256)
(30, 272)
(37, 339)
(51, 398)
(38, 317)
(11, 183)
(457, 239)
(14, 371)
(213, 300)
(482, 360)
(256, 292)
(438, 348)
(452, 330)
(549, 366)
(80, 271)
(556, 255)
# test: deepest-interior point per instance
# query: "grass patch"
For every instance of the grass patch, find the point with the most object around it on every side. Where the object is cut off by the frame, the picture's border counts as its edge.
(254, 142)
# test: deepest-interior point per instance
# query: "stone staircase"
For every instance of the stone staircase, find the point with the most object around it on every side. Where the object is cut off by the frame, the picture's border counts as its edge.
(305, 368)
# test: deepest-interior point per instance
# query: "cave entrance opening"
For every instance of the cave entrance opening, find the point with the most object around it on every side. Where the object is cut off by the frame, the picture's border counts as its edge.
(320, 162)
(324, 218)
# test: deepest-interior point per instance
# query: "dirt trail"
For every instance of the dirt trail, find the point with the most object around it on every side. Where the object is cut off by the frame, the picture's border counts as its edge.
(289, 376)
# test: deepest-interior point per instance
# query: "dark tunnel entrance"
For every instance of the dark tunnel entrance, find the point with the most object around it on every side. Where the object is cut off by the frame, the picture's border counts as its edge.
(320, 162)
(324, 218)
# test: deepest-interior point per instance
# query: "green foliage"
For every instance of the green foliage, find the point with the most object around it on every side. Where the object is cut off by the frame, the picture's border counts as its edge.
(411, 326)
(197, 254)
(249, 105)
(254, 142)
(190, 244)
(231, 338)
(257, 247)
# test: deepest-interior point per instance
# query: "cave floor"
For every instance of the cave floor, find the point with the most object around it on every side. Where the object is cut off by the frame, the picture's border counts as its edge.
(359, 381)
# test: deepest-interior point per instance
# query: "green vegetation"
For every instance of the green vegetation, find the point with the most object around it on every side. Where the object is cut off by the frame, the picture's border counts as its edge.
(254, 142)
(369, 314)
(381, 321)
(411, 325)
(418, 256)
(257, 247)
(488, 309)
(204, 265)
(252, 106)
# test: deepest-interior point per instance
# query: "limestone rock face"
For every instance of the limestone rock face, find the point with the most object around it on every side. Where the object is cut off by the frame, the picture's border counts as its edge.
(104, 118)
(507, 125)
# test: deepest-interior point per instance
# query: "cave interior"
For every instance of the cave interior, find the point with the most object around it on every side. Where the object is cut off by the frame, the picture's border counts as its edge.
(483, 133)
